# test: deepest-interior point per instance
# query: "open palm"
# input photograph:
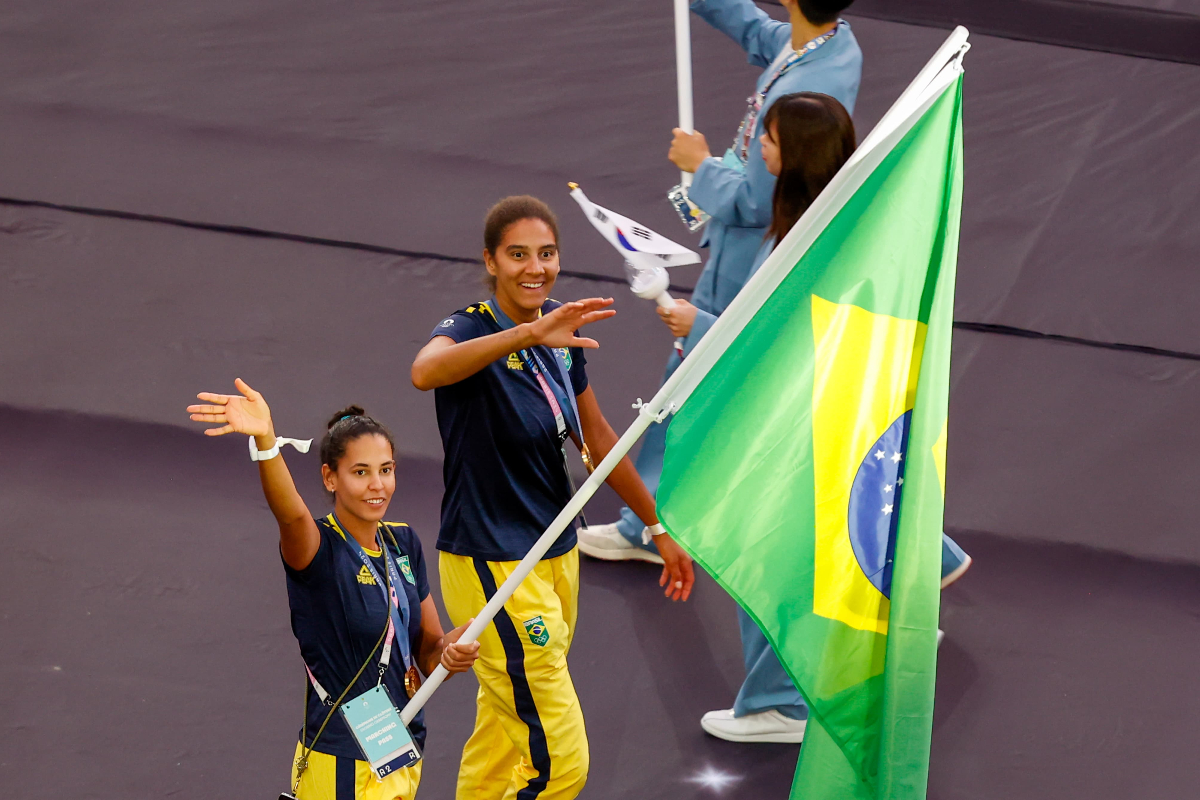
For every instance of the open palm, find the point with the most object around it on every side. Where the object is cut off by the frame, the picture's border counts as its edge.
(557, 329)
(248, 414)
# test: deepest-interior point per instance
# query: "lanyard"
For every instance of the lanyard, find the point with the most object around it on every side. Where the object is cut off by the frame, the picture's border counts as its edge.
(398, 613)
(538, 369)
(398, 622)
(531, 359)
(535, 364)
(741, 142)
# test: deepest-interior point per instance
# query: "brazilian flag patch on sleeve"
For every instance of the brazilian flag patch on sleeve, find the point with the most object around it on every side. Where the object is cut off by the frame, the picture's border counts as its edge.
(536, 628)
(406, 570)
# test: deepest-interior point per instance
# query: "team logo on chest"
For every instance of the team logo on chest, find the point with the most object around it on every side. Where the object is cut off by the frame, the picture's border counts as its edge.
(514, 362)
(365, 576)
(406, 570)
(538, 633)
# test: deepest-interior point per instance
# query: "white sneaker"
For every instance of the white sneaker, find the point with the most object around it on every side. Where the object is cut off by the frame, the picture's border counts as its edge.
(959, 571)
(606, 543)
(767, 726)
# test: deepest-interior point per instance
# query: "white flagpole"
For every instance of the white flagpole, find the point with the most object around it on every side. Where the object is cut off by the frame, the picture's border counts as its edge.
(677, 388)
(683, 73)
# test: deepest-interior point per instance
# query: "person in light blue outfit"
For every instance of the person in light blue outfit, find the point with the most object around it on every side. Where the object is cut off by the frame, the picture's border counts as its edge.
(817, 52)
(814, 52)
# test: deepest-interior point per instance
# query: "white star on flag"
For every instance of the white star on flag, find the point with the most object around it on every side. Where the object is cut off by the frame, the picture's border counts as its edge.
(887, 509)
(887, 488)
(879, 454)
(896, 458)
(899, 481)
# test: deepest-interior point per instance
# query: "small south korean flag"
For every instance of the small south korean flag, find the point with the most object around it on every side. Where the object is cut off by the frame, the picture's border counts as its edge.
(636, 243)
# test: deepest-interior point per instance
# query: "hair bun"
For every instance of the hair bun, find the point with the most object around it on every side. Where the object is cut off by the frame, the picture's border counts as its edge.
(348, 411)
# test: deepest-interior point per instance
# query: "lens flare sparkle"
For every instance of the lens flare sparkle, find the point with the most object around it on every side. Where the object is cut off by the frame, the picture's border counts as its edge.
(712, 778)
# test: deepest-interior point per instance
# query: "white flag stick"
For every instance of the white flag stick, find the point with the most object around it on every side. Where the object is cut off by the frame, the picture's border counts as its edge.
(636, 243)
(936, 78)
(683, 72)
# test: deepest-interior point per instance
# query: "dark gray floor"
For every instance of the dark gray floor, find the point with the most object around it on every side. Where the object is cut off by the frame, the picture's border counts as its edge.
(145, 627)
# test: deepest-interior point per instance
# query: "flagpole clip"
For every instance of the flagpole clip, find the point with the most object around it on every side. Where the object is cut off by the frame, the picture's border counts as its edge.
(643, 409)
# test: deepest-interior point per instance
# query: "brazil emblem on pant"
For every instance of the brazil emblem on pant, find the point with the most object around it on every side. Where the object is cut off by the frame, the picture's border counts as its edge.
(536, 628)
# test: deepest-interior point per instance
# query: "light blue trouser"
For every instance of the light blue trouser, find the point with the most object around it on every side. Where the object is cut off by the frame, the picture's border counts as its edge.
(766, 686)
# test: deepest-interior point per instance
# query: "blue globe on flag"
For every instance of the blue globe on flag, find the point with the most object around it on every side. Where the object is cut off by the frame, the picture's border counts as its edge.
(875, 504)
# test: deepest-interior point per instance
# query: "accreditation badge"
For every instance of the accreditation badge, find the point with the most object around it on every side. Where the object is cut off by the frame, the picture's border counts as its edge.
(689, 213)
(382, 737)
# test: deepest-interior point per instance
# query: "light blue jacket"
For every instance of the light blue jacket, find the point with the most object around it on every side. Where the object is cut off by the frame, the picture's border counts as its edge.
(740, 202)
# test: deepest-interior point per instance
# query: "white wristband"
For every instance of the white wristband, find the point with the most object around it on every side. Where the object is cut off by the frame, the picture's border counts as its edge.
(656, 529)
(266, 455)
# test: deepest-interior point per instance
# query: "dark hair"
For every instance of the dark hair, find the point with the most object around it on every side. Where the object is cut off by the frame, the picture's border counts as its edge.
(815, 138)
(822, 12)
(344, 427)
(507, 213)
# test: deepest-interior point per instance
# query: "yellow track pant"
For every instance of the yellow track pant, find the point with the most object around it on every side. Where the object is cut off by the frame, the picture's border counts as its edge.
(333, 778)
(529, 741)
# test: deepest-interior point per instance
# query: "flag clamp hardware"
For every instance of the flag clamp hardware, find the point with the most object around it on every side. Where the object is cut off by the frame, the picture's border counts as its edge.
(641, 408)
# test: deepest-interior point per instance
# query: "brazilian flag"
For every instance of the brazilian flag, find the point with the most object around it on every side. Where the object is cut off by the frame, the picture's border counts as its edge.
(805, 469)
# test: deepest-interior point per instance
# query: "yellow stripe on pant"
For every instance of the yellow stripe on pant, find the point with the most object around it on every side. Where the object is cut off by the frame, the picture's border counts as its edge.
(334, 778)
(529, 741)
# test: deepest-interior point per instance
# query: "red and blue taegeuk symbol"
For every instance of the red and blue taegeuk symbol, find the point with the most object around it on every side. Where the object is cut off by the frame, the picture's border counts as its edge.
(636, 231)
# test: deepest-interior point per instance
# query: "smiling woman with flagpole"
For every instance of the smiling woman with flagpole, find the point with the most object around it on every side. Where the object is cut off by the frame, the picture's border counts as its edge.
(510, 390)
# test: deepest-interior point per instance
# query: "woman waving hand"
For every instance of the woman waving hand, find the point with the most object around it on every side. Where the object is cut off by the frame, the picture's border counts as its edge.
(510, 389)
(357, 589)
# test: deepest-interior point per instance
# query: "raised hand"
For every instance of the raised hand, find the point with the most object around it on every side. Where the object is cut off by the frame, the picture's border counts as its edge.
(246, 414)
(557, 329)
(688, 150)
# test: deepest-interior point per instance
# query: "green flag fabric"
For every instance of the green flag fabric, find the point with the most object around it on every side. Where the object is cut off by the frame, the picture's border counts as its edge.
(806, 470)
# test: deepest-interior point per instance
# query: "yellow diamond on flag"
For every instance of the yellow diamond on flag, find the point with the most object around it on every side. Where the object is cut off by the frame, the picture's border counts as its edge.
(864, 382)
